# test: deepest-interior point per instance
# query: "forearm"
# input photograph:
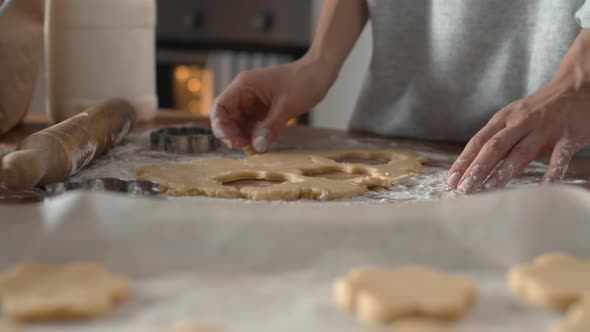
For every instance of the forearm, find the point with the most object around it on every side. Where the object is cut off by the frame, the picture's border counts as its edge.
(573, 72)
(339, 26)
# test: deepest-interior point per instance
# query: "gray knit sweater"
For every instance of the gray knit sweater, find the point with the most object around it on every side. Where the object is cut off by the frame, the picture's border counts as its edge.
(441, 68)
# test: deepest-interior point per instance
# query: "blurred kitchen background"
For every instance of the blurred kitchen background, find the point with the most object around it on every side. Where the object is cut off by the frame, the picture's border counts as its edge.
(202, 45)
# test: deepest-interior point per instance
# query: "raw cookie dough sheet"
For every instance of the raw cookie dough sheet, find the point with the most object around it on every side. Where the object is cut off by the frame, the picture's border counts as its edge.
(124, 160)
(260, 267)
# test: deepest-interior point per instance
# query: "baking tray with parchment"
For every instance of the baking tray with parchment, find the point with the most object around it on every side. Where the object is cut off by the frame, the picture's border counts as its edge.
(256, 267)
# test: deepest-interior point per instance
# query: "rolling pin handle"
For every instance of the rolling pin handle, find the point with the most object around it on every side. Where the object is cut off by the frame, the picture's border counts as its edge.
(21, 170)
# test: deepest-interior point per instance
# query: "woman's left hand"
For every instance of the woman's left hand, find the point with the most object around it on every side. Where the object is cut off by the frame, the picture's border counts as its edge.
(556, 119)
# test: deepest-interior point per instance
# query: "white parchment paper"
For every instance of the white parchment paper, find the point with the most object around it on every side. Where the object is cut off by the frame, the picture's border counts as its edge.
(268, 267)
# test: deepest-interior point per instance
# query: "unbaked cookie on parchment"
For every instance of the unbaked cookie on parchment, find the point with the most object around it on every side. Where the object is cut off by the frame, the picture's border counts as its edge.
(555, 280)
(386, 294)
(39, 291)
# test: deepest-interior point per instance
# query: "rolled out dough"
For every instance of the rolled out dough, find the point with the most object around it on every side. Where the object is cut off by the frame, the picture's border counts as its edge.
(321, 175)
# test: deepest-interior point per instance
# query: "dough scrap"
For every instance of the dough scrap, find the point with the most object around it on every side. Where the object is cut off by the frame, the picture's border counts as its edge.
(578, 318)
(555, 280)
(384, 294)
(38, 291)
(299, 174)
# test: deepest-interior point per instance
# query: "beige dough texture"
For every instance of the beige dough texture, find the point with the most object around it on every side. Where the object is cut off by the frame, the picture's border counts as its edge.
(578, 318)
(38, 291)
(555, 280)
(320, 175)
(384, 294)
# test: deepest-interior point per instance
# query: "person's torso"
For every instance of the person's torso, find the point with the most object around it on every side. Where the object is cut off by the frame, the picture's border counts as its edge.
(441, 68)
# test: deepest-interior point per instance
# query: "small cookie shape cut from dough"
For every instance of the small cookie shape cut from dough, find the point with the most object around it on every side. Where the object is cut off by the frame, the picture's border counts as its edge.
(37, 291)
(554, 280)
(386, 294)
(578, 318)
(291, 175)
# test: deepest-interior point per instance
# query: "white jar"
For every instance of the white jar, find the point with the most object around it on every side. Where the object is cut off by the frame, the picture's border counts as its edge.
(100, 49)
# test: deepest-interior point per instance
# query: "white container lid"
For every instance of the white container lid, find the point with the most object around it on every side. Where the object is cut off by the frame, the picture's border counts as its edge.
(111, 13)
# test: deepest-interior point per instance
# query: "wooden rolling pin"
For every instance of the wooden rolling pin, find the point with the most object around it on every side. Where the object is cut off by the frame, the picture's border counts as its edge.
(55, 153)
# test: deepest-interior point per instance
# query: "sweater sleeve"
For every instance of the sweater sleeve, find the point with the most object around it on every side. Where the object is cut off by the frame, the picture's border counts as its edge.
(583, 15)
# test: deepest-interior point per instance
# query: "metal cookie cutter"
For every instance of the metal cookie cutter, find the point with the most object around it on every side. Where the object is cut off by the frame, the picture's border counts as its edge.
(184, 140)
(141, 188)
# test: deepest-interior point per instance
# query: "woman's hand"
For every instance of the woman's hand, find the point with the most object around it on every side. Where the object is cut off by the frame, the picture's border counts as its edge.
(555, 119)
(258, 103)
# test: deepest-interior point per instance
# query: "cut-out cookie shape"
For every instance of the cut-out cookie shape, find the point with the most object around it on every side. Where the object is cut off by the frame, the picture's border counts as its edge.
(578, 318)
(322, 175)
(384, 294)
(555, 280)
(37, 291)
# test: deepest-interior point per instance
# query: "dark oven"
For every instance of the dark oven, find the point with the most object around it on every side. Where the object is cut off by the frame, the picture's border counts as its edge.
(202, 45)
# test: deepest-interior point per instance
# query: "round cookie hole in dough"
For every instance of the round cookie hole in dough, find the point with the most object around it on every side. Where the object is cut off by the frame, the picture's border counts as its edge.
(364, 159)
(335, 174)
(254, 180)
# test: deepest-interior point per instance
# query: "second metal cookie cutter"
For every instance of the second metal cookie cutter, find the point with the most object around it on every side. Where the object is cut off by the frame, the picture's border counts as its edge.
(184, 140)
(135, 187)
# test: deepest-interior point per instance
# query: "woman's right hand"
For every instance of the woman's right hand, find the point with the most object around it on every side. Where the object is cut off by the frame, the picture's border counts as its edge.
(258, 103)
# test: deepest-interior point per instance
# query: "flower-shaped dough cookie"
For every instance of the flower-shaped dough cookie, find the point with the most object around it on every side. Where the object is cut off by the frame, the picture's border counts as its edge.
(555, 280)
(383, 294)
(37, 291)
(578, 318)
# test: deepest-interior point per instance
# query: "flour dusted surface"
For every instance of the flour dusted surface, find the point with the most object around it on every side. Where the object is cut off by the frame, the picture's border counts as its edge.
(123, 160)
